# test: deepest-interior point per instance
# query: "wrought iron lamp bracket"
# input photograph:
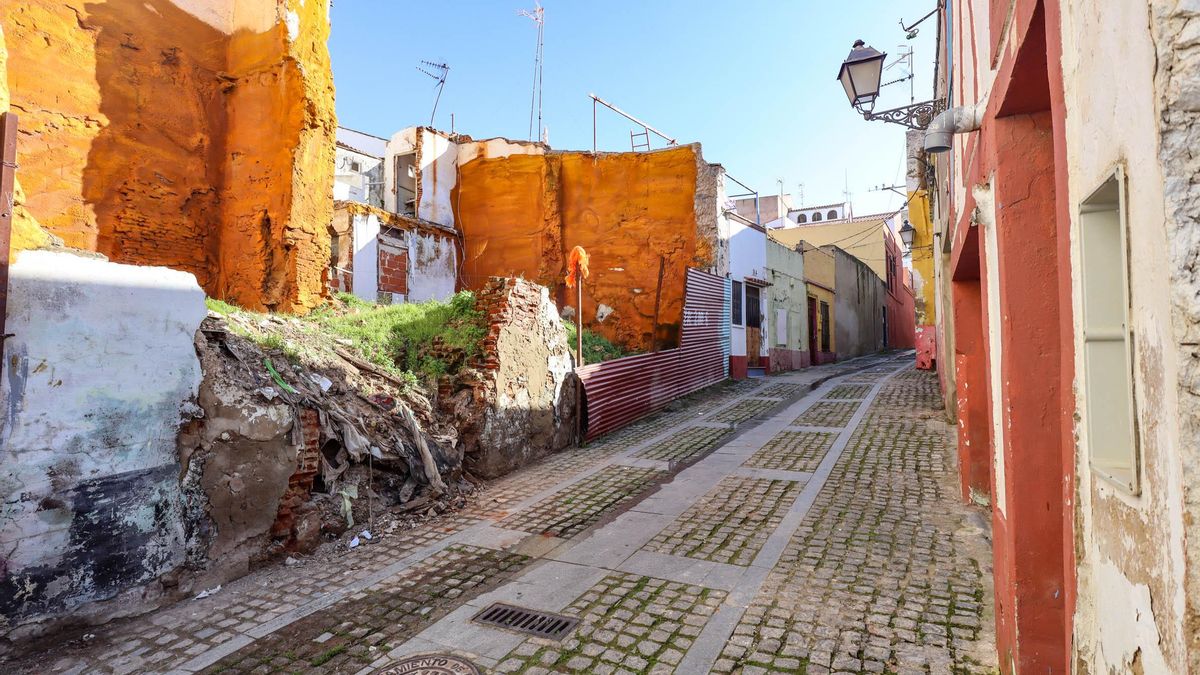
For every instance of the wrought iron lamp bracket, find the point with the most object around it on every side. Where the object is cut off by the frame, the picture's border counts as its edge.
(915, 116)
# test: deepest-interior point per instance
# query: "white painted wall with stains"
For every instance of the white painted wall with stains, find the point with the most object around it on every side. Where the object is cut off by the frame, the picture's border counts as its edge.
(1136, 609)
(98, 375)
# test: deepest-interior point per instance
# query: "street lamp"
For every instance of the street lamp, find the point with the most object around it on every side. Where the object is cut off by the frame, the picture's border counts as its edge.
(906, 234)
(860, 74)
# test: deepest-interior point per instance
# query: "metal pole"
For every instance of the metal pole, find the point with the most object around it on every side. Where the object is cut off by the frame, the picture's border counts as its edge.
(8, 169)
(593, 126)
(579, 315)
(622, 113)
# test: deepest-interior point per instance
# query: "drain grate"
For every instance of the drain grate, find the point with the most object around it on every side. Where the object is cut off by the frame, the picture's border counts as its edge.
(533, 622)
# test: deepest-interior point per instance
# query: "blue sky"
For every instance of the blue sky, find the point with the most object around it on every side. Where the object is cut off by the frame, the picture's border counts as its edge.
(753, 81)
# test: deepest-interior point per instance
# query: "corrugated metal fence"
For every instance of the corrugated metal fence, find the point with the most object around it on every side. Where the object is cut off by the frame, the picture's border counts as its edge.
(623, 390)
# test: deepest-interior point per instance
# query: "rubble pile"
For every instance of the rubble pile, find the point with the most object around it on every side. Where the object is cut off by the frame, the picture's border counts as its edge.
(295, 439)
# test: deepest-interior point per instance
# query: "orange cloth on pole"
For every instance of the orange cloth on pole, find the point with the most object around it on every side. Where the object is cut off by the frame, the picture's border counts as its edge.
(577, 262)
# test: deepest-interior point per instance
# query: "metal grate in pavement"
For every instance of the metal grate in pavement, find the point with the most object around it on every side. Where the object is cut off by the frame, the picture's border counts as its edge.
(533, 622)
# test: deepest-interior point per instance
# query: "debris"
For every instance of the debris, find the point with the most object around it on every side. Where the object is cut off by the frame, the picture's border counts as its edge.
(382, 400)
(209, 592)
(278, 379)
(291, 561)
(366, 534)
(321, 381)
(353, 543)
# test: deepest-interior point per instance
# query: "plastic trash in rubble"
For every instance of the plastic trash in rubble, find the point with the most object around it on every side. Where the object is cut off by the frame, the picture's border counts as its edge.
(366, 534)
(206, 593)
(354, 543)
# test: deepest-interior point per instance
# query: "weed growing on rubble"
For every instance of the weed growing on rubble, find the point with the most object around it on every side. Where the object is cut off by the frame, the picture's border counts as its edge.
(596, 347)
(426, 338)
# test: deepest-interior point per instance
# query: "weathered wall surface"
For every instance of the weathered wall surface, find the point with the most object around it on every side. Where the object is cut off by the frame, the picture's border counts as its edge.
(632, 212)
(525, 393)
(1177, 89)
(859, 302)
(1138, 602)
(200, 141)
(788, 308)
(89, 475)
(371, 243)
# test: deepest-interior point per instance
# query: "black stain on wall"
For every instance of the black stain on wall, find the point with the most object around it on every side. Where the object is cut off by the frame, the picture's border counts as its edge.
(124, 531)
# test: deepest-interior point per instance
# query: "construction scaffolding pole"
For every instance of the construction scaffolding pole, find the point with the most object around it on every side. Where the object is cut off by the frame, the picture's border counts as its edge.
(596, 99)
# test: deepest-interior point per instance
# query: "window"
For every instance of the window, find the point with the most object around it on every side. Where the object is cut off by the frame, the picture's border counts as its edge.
(816, 217)
(753, 308)
(831, 215)
(737, 303)
(825, 327)
(355, 166)
(801, 218)
(1109, 402)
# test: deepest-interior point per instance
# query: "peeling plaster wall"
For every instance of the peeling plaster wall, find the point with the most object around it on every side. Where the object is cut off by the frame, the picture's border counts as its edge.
(522, 214)
(1138, 584)
(92, 405)
(788, 306)
(433, 252)
(186, 134)
(1174, 25)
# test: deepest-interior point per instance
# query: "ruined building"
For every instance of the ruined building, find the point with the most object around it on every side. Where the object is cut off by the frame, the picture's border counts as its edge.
(191, 134)
(519, 208)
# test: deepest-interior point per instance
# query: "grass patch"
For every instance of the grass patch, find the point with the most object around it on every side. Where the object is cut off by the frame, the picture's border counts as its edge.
(596, 347)
(326, 656)
(402, 337)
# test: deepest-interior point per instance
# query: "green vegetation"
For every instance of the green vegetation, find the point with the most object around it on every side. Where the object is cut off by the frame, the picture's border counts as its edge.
(410, 337)
(596, 347)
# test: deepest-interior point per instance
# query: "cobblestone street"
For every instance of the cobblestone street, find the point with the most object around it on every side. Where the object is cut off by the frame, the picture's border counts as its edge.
(806, 523)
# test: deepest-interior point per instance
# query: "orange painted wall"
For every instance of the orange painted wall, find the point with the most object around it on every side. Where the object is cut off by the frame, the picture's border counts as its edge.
(154, 138)
(522, 214)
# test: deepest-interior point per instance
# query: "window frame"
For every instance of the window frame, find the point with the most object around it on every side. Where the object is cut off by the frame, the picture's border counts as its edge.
(737, 305)
(1127, 478)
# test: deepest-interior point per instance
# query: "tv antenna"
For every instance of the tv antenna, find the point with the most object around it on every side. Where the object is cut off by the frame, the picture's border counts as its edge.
(538, 15)
(437, 71)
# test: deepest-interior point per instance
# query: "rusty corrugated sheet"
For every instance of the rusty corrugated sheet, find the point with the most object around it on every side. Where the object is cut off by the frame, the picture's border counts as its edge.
(623, 390)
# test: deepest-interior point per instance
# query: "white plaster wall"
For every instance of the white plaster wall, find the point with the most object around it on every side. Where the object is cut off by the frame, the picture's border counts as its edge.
(491, 148)
(98, 375)
(1130, 554)
(432, 266)
(748, 258)
(438, 176)
(365, 277)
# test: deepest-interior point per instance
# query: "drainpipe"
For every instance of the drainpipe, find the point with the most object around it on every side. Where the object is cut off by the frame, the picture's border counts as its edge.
(939, 135)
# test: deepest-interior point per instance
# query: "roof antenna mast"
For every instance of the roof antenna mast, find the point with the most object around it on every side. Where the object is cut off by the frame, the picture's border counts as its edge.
(437, 71)
(538, 15)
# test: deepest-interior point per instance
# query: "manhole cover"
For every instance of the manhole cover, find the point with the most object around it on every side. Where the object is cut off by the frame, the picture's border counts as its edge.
(430, 664)
(531, 621)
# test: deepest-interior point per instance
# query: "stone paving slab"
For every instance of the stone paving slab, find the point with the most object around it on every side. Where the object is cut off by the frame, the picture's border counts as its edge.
(571, 510)
(686, 444)
(827, 414)
(744, 410)
(793, 451)
(730, 523)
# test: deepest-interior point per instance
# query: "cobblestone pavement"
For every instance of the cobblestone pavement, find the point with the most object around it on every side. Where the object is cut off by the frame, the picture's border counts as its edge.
(808, 523)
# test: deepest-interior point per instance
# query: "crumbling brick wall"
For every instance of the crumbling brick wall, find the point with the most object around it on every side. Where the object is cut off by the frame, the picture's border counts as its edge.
(634, 213)
(393, 265)
(201, 142)
(519, 405)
